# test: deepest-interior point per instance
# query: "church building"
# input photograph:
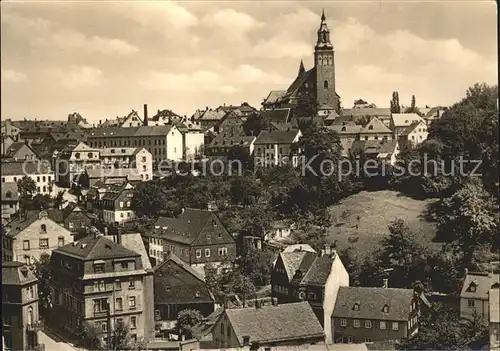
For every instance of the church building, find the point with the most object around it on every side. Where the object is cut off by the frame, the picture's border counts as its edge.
(317, 83)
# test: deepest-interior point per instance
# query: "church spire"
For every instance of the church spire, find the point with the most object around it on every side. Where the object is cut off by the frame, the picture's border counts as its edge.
(301, 68)
(323, 33)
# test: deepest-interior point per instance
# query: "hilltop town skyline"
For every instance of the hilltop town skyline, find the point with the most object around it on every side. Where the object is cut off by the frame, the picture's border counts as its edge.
(57, 60)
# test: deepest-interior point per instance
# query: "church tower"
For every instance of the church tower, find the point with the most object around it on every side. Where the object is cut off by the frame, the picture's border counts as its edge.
(324, 63)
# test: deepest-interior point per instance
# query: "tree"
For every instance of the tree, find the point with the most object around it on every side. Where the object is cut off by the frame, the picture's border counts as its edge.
(254, 124)
(257, 265)
(469, 217)
(240, 154)
(27, 189)
(149, 199)
(360, 102)
(307, 105)
(395, 107)
(90, 336)
(59, 200)
(186, 320)
(41, 270)
(120, 337)
(413, 108)
(41, 202)
(403, 252)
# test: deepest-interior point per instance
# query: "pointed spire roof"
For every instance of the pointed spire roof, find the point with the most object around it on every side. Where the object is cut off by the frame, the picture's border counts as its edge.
(301, 68)
(323, 17)
(323, 33)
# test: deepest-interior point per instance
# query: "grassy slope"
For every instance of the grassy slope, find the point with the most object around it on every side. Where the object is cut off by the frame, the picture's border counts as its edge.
(376, 210)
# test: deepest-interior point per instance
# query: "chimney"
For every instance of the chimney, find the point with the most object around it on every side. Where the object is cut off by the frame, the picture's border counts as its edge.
(246, 340)
(119, 236)
(145, 115)
(100, 122)
(275, 301)
(386, 283)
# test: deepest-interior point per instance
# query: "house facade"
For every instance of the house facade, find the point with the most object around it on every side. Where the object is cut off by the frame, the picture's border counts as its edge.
(100, 282)
(39, 171)
(74, 160)
(276, 147)
(414, 134)
(163, 142)
(196, 236)
(494, 321)
(365, 315)
(9, 200)
(139, 159)
(401, 121)
(35, 234)
(19, 151)
(178, 287)
(306, 276)
(292, 324)
(20, 318)
(474, 294)
(117, 203)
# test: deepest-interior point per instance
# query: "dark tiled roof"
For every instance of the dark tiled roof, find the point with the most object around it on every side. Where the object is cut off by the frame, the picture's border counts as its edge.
(278, 115)
(228, 140)
(319, 271)
(411, 128)
(274, 96)
(292, 261)
(376, 126)
(171, 289)
(14, 149)
(299, 81)
(375, 146)
(371, 303)
(205, 328)
(130, 132)
(11, 188)
(348, 128)
(96, 247)
(24, 168)
(287, 322)
(280, 126)
(16, 273)
(277, 136)
(165, 114)
(186, 227)
(483, 283)
(367, 111)
(303, 268)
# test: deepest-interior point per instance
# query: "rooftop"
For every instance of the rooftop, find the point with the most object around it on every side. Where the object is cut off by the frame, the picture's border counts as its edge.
(277, 136)
(405, 119)
(292, 321)
(16, 273)
(477, 284)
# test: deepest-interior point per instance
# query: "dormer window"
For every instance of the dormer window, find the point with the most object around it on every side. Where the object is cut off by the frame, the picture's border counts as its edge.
(370, 127)
(472, 287)
(43, 228)
(343, 129)
(214, 223)
(356, 307)
(385, 309)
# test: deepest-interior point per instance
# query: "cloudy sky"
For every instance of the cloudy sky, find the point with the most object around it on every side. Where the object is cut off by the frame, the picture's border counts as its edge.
(103, 59)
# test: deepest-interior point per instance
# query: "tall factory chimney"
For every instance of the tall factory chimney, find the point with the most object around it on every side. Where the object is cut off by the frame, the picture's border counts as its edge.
(146, 114)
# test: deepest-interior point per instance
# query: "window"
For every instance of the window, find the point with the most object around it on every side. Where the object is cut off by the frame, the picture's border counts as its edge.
(43, 228)
(368, 324)
(124, 265)
(131, 302)
(325, 84)
(100, 305)
(356, 323)
(70, 225)
(44, 243)
(368, 339)
(472, 288)
(38, 179)
(121, 204)
(471, 303)
(131, 284)
(77, 155)
(207, 252)
(133, 322)
(349, 339)
(119, 303)
(312, 296)
(26, 245)
(104, 327)
(8, 194)
(356, 307)
(385, 309)
(99, 268)
(343, 322)
(382, 325)
(395, 326)
(198, 253)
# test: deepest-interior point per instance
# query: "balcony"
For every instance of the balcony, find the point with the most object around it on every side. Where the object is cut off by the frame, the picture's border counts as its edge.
(34, 327)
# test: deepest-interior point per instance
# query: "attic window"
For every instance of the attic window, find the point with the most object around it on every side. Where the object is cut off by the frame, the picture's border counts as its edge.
(370, 127)
(406, 121)
(123, 151)
(112, 151)
(385, 309)
(43, 228)
(197, 294)
(343, 129)
(8, 195)
(356, 306)
(214, 223)
(157, 227)
(472, 287)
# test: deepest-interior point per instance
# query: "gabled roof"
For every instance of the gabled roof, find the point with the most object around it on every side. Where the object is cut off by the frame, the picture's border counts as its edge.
(287, 322)
(58, 215)
(298, 82)
(412, 127)
(375, 146)
(405, 119)
(16, 273)
(278, 115)
(367, 112)
(320, 270)
(134, 242)
(347, 128)
(483, 283)
(18, 225)
(186, 227)
(375, 126)
(165, 115)
(293, 260)
(274, 96)
(371, 302)
(14, 148)
(94, 247)
(212, 115)
(277, 136)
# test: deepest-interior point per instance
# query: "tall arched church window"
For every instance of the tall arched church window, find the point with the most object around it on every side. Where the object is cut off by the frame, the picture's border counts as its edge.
(320, 60)
(325, 84)
(330, 60)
